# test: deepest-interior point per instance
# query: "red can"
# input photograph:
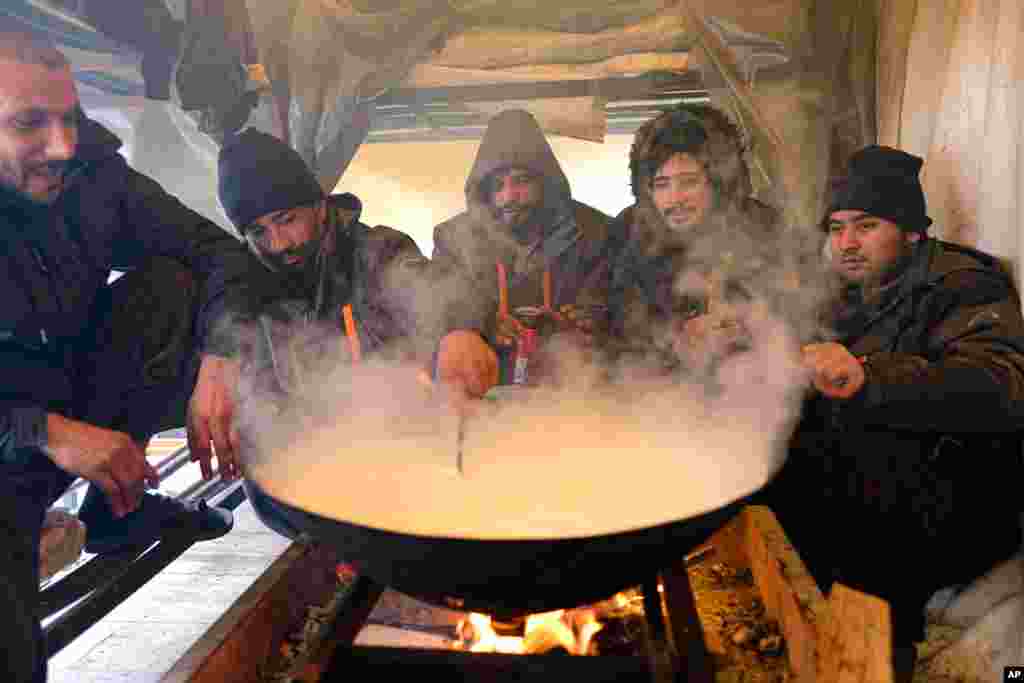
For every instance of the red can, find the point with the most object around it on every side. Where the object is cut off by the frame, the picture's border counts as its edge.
(525, 347)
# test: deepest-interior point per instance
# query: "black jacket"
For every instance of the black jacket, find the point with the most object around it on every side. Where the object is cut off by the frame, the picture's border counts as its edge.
(916, 479)
(54, 260)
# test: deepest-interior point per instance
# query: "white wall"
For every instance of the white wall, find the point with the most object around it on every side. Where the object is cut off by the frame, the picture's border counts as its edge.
(413, 186)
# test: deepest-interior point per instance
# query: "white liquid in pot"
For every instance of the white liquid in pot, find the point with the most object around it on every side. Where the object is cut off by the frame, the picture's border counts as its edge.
(554, 467)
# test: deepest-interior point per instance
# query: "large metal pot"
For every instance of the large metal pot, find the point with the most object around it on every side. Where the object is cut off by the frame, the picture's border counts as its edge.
(503, 578)
(570, 517)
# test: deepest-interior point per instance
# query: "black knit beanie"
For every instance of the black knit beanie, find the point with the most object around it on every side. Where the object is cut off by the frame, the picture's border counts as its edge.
(259, 174)
(884, 182)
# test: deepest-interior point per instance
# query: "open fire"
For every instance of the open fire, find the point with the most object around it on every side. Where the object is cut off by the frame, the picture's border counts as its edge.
(566, 631)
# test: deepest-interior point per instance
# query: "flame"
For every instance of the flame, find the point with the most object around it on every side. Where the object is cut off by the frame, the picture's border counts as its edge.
(588, 626)
(546, 631)
(572, 630)
(477, 635)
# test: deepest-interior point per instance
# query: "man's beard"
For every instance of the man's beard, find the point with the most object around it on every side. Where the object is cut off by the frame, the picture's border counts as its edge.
(17, 178)
(677, 236)
(517, 218)
(684, 223)
(869, 287)
(283, 261)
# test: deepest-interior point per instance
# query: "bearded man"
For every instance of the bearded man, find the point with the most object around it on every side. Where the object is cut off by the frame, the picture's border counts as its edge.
(903, 473)
(91, 371)
(687, 243)
(523, 245)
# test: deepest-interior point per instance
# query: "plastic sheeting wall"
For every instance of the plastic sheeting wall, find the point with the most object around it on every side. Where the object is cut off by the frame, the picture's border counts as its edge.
(950, 90)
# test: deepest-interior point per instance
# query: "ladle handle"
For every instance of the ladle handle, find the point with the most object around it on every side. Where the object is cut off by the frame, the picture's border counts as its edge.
(458, 445)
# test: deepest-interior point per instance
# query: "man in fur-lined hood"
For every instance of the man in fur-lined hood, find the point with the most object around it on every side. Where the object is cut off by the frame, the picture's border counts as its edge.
(520, 213)
(693, 199)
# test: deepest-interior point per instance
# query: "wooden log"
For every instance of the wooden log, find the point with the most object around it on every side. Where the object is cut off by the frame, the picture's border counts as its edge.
(432, 76)
(789, 592)
(844, 639)
(855, 640)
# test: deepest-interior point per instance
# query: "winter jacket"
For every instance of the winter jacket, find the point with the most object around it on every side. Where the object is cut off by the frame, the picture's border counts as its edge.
(914, 483)
(378, 274)
(55, 259)
(468, 247)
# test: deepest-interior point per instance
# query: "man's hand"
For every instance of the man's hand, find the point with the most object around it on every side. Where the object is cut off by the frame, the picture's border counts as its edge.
(466, 364)
(211, 412)
(111, 460)
(705, 338)
(835, 372)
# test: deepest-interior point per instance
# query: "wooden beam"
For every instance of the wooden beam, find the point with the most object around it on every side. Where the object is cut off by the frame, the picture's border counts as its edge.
(789, 592)
(618, 88)
(844, 639)
(855, 641)
(432, 76)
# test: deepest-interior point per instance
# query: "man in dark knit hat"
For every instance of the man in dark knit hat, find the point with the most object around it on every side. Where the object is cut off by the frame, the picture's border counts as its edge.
(326, 278)
(905, 469)
(318, 258)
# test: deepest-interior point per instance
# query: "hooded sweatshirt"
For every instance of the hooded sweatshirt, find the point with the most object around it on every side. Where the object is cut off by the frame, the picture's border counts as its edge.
(567, 238)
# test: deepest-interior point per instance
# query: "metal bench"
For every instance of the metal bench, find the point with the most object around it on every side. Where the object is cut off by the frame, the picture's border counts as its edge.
(75, 597)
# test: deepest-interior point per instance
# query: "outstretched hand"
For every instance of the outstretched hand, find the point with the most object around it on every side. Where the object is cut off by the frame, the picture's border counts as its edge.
(111, 460)
(835, 372)
(211, 412)
(704, 339)
(467, 363)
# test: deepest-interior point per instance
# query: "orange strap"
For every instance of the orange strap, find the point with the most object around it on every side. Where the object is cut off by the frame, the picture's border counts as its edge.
(503, 290)
(352, 333)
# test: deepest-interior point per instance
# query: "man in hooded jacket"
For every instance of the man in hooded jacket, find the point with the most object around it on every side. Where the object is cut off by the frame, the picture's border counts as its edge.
(523, 243)
(694, 223)
(904, 471)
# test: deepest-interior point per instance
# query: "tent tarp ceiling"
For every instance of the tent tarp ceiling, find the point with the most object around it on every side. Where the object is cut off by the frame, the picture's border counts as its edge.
(793, 72)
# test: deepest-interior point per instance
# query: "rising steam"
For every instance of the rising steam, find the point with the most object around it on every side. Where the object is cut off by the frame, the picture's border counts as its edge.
(375, 445)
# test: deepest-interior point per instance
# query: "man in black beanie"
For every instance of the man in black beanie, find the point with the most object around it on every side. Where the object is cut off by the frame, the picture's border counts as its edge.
(907, 459)
(327, 276)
